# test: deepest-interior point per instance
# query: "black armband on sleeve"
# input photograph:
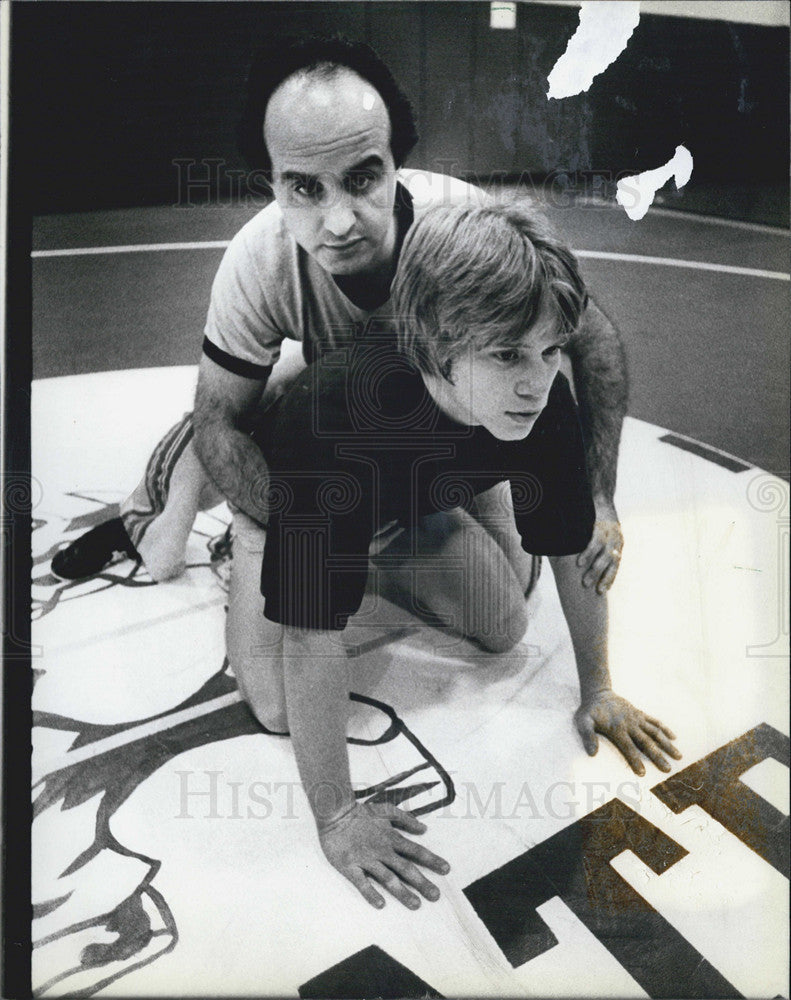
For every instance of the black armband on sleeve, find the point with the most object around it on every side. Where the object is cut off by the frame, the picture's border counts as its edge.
(235, 365)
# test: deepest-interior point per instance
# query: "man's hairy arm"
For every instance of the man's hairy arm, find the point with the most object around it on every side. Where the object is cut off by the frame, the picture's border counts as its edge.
(599, 365)
(232, 459)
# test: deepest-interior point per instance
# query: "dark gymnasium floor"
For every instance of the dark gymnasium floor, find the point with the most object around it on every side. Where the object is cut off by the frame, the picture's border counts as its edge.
(705, 321)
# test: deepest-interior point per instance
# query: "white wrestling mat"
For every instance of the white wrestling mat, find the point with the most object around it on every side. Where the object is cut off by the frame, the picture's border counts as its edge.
(173, 850)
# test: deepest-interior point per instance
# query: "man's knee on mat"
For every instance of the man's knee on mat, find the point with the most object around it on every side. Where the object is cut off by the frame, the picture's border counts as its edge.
(161, 568)
(508, 625)
(256, 660)
(273, 718)
(266, 700)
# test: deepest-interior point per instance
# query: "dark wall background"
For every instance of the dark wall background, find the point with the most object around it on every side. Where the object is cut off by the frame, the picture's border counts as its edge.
(107, 95)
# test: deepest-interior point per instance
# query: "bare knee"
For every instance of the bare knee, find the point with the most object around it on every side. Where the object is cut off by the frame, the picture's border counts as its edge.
(271, 717)
(266, 703)
(162, 569)
(265, 700)
(507, 630)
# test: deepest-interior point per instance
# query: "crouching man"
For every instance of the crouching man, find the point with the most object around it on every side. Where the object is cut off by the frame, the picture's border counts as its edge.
(467, 407)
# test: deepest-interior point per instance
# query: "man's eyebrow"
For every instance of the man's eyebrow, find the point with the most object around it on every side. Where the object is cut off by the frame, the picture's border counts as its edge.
(295, 175)
(370, 161)
(309, 180)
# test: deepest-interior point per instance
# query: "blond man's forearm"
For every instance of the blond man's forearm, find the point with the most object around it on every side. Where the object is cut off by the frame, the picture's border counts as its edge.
(585, 611)
(317, 703)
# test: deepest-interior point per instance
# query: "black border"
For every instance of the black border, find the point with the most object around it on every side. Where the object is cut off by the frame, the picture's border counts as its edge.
(18, 492)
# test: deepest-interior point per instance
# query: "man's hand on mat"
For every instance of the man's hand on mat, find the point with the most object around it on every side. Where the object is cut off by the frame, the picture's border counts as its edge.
(631, 730)
(364, 845)
(601, 559)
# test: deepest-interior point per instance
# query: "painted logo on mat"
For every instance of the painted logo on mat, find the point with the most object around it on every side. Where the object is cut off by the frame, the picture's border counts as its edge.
(98, 914)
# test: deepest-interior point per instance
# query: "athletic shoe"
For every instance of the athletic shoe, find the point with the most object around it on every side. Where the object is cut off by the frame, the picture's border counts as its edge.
(92, 552)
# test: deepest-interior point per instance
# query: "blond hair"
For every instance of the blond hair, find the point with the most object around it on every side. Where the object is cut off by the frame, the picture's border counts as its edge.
(476, 276)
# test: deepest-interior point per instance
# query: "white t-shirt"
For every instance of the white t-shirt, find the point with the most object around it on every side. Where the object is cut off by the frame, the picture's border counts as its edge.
(268, 288)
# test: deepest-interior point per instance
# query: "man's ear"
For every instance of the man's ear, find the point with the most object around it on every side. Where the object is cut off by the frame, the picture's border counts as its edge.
(446, 369)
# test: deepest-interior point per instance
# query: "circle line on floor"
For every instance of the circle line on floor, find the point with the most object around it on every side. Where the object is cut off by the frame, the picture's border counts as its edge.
(697, 265)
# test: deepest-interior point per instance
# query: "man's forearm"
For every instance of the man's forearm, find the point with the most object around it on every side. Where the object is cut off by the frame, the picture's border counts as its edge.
(586, 614)
(600, 378)
(317, 703)
(235, 464)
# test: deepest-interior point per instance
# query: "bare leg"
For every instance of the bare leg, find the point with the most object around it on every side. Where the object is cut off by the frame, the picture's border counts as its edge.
(494, 510)
(160, 513)
(470, 574)
(255, 645)
(460, 575)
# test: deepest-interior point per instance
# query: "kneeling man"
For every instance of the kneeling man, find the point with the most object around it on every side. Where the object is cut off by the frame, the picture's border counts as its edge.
(465, 407)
